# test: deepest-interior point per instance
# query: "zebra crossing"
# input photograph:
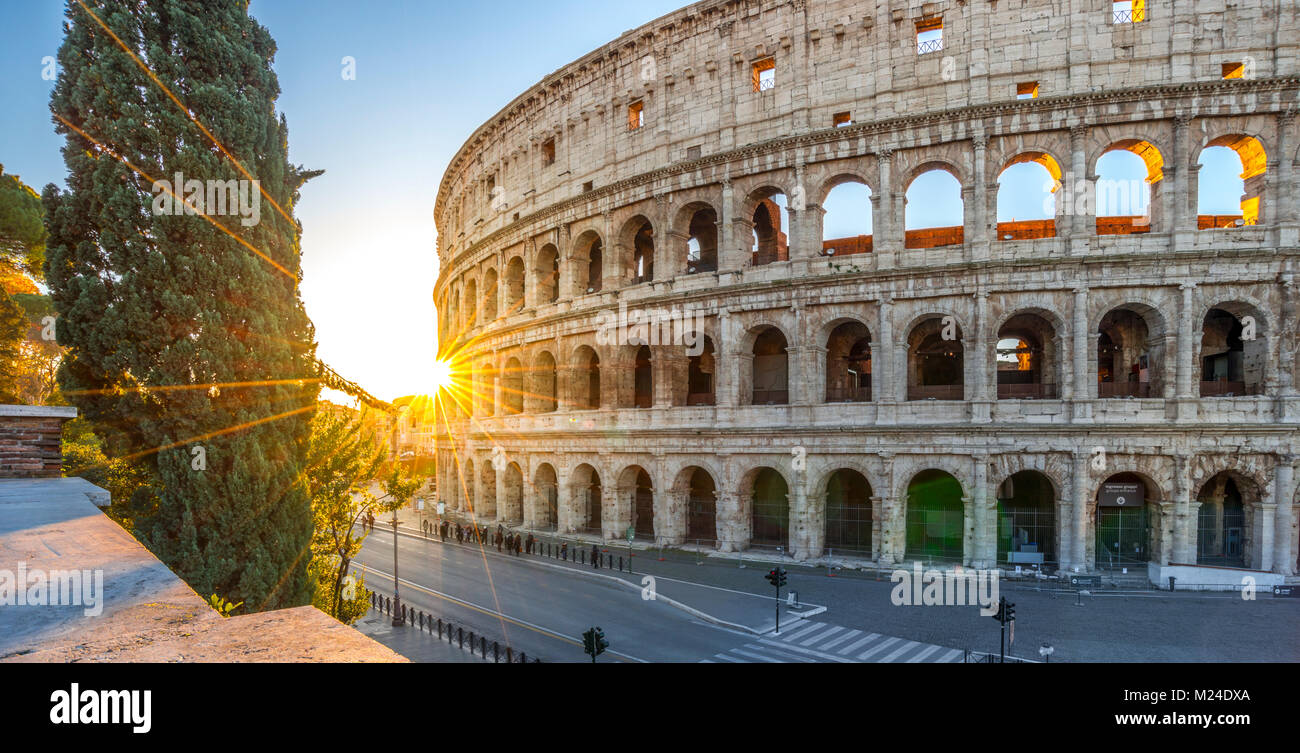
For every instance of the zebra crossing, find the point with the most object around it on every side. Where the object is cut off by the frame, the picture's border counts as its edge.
(820, 642)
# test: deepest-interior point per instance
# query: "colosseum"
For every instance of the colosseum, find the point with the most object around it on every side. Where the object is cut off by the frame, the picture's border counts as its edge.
(691, 294)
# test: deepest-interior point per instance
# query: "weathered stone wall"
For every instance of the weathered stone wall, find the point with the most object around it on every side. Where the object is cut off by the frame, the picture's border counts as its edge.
(31, 441)
(710, 142)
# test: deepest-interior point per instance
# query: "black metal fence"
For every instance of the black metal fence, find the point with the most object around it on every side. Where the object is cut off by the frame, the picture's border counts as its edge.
(465, 639)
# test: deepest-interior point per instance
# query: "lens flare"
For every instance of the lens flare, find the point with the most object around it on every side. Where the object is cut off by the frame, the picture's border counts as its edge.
(442, 377)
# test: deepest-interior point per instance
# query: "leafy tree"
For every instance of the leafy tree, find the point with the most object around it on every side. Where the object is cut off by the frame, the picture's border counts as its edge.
(13, 329)
(167, 318)
(22, 229)
(344, 459)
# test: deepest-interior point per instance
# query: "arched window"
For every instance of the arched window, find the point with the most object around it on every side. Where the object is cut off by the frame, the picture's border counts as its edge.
(548, 274)
(934, 212)
(1026, 358)
(514, 286)
(936, 361)
(770, 369)
(1127, 174)
(847, 222)
(1028, 197)
(1231, 182)
(771, 225)
(848, 364)
(702, 240)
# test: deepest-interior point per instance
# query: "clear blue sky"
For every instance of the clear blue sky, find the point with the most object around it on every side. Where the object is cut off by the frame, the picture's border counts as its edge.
(427, 74)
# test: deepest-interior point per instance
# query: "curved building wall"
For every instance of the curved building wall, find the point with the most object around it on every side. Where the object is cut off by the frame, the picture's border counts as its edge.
(848, 395)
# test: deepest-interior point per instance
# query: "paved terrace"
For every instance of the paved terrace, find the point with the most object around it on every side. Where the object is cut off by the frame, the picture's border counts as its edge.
(149, 614)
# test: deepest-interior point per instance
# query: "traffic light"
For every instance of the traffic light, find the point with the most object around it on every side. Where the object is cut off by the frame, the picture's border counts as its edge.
(594, 643)
(776, 576)
(1010, 613)
(780, 572)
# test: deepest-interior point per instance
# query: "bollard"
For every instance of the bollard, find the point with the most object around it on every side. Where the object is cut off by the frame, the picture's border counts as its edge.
(482, 646)
(496, 652)
(620, 563)
(439, 628)
(583, 555)
(510, 655)
(460, 637)
(422, 619)
(1171, 583)
(523, 658)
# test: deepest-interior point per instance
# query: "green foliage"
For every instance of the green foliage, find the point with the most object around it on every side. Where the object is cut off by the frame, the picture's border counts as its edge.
(129, 484)
(22, 227)
(223, 607)
(13, 330)
(150, 300)
(344, 457)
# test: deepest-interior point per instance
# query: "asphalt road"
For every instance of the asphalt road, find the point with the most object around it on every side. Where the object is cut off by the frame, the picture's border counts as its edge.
(537, 607)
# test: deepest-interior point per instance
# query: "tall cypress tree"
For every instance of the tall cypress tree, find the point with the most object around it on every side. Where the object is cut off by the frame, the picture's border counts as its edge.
(149, 300)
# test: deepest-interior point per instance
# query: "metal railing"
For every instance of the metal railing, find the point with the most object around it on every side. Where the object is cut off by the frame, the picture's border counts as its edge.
(1027, 392)
(771, 397)
(464, 639)
(848, 394)
(1223, 388)
(928, 46)
(937, 392)
(1123, 389)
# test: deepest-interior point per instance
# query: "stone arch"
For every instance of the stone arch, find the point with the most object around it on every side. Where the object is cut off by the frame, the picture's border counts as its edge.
(936, 363)
(515, 283)
(512, 387)
(1254, 162)
(1030, 228)
(585, 378)
(934, 507)
(636, 250)
(697, 485)
(696, 237)
(1128, 335)
(859, 238)
(765, 375)
(636, 501)
(1233, 355)
(1042, 354)
(586, 499)
(489, 293)
(766, 505)
(588, 263)
(543, 383)
(546, 491)
(546, 273)
(848, 360)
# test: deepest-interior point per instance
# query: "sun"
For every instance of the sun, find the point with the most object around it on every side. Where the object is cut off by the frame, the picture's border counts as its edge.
(442, 378)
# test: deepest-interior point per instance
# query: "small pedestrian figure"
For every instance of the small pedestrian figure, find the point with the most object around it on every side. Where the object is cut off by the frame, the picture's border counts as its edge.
(564, 551)
(595, 556)
(528, 544)
(519, 545)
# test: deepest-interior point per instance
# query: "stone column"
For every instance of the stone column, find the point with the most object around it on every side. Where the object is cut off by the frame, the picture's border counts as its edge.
(674, 503)
(727, 369)
(883, 385)
(1177, 174)
(888, 241)
(500, 515)
(1284, 539)
(971, 520)
(1184, 534)
(979, 361)
(985, 553)
(877, 528)
(1080, 483)
(733, 529)
(1188, 335)
(1281, 203)
(1082, 342)
(978, 230)
(803, 535)
(1081, 187)
(1167, 524)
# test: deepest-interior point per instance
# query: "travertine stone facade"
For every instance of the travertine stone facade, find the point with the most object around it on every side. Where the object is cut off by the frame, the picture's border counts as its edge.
(542, 220)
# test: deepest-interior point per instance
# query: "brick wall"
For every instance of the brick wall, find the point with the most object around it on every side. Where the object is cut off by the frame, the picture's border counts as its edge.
(30, 440)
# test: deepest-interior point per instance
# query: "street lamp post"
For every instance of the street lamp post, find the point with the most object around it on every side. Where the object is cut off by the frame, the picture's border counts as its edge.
(397, 598)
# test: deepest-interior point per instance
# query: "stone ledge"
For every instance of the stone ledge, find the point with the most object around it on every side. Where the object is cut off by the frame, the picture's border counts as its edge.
(147, 613)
